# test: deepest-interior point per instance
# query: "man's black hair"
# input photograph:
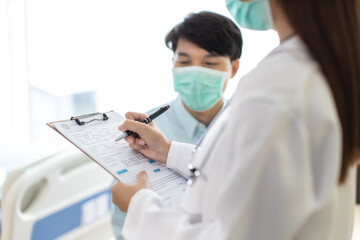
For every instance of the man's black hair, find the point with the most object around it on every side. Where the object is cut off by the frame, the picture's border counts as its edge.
(213, 32)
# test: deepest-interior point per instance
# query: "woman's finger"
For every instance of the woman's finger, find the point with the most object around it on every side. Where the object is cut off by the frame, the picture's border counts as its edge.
(135, 116)
(140, 142)
(134, 126)
(143, 179)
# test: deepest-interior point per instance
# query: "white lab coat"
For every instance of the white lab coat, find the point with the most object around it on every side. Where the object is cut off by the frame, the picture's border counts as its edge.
(271, 164)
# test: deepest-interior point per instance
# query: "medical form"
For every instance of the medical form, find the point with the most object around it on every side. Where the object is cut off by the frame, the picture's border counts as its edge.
(96, 140)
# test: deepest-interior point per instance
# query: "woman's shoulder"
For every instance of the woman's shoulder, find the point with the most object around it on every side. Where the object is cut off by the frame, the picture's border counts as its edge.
(290, 79)
(283, 75)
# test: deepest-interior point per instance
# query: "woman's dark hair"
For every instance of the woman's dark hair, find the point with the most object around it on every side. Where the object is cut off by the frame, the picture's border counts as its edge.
(330, 29)
(213, 32)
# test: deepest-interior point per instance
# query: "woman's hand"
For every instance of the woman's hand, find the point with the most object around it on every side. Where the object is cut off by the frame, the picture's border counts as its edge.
(148, 139)
(122, 192)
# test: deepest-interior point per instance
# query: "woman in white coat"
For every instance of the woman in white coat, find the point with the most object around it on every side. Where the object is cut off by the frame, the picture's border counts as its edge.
(279, 163)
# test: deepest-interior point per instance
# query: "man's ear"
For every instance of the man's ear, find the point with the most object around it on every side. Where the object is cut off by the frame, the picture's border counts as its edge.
(235, 64)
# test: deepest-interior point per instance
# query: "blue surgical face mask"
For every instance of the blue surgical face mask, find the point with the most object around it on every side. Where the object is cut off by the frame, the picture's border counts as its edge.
(198, 87)
(255, 15)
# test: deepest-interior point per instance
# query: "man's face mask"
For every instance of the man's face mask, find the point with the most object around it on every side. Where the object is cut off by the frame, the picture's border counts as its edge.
(198, 87)
(255, 15)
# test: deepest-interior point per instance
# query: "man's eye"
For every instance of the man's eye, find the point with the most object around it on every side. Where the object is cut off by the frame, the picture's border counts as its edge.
(211, 63)
(183, 62)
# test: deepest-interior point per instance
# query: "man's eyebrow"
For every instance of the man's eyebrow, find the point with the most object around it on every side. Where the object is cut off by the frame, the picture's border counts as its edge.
(212, 55)
(206, 56)
(182, 54)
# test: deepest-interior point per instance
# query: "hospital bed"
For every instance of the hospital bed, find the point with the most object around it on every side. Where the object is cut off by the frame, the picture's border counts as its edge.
(65, 197)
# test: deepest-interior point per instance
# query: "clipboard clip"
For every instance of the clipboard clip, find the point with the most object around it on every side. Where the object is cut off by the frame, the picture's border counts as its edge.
(77, 119)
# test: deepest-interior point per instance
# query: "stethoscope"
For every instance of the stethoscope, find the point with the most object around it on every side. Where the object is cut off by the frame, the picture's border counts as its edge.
(195, 172)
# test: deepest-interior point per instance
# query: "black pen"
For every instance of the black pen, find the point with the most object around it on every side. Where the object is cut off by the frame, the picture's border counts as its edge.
(146, 121)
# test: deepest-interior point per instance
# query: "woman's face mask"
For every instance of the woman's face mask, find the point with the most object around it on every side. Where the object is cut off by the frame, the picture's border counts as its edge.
(199, 87)
(255, 15)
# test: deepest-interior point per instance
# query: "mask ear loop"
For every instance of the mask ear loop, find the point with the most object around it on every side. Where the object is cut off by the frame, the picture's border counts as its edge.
(269, 14)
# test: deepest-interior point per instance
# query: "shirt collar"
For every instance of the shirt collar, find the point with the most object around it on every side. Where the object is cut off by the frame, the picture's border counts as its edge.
(190, 124)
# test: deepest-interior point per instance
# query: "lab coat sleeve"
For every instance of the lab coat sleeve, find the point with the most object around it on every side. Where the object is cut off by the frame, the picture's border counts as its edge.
(179, 157)
(148, 220)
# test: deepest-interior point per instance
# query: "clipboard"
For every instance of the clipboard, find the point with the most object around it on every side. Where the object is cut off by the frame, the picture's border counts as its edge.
(94, 134)
(95, 117)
